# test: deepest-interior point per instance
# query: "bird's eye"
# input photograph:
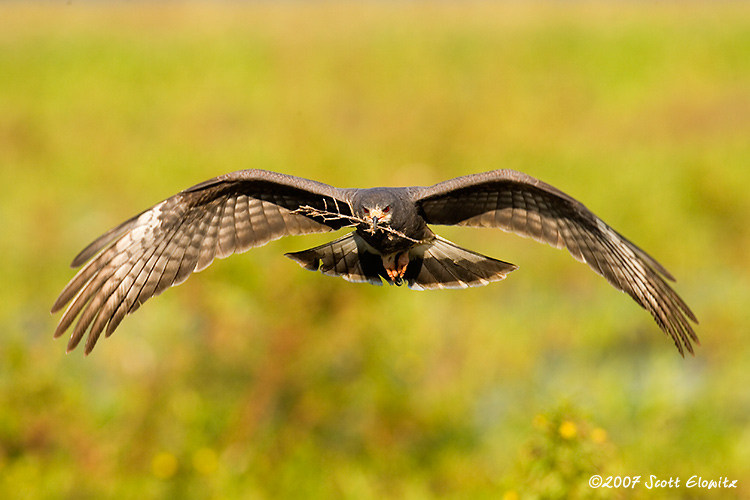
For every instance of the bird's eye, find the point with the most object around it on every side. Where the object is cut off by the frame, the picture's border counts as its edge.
(367, 211)
(387, 209)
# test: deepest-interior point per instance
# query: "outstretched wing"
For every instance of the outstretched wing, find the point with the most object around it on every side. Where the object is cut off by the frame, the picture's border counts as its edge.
(521, 204)
(163, 245)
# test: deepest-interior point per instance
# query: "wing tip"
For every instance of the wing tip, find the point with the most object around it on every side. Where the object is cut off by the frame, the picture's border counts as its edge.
(82, 257)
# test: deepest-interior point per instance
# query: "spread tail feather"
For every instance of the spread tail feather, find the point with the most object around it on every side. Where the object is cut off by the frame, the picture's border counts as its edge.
(443, 264)
(345, 257)
(435, 264)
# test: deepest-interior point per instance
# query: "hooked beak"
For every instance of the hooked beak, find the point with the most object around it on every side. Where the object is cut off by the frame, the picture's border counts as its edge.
(377, 215)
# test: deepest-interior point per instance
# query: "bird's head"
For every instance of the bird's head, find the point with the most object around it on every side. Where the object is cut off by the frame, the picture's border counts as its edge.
(377, 215)
(385, 210)
(376, 208)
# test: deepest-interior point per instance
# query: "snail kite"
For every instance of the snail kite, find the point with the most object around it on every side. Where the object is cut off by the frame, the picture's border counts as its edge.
(391, 242)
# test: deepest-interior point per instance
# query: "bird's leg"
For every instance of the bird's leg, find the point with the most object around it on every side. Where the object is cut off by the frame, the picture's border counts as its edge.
(389, 263)
(402, 263)
(395, 265)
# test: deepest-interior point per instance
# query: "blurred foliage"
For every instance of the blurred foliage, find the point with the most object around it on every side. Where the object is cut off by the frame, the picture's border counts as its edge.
(564, 453)
(259, 380)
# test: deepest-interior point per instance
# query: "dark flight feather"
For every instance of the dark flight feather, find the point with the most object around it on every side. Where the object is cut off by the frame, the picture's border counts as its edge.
(526, 206)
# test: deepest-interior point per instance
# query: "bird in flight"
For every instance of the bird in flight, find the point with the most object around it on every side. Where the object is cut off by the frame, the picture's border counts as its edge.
(391, 242)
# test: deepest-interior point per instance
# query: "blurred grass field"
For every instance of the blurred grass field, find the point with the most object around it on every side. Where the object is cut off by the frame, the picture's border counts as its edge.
(257, 379)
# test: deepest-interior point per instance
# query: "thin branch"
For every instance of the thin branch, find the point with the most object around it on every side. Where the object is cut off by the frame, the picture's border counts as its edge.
(327, 215)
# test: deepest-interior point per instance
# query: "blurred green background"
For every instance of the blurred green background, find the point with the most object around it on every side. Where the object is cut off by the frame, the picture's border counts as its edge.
(259, 380)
